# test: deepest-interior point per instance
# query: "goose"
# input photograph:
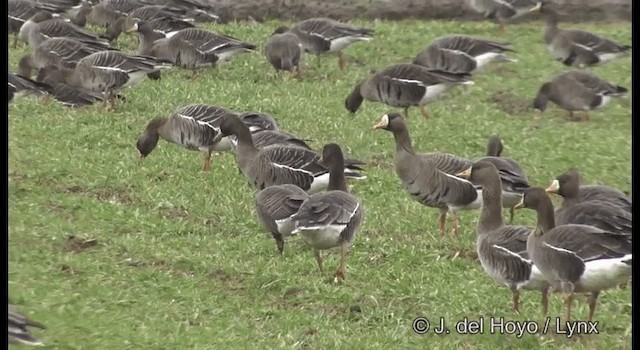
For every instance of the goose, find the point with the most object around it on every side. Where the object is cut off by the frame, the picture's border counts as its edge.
(576, 91)
(512, 176)
(283, 51)
(462, 54)
(575, 258)
(275, 205)
(22, 86)
(18, 328)
(332, 218)
(223, 46)
(258, 121)
(60, 52)
(103, 14)
(19, 11)
(123, 7)
(568, 185)
(159, 19)
(404, 85)
(264, 138)
(502, 11)
(574, 47)
(103, 71)
(195, 127)
(502, 249)
(200, 11)
(43, 26)
(325, 35)
(425, 181)
(278, 164)
(74, 97)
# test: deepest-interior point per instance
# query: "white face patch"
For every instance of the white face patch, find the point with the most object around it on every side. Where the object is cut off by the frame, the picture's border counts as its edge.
(135, 26)
(384, 122)
(555, 185)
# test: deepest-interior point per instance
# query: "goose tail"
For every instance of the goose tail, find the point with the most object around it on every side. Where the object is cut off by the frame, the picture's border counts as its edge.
(18, 331)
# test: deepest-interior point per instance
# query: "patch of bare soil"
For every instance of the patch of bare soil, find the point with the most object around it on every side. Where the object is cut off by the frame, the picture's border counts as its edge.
(118, 195)
(78, 244)
(174, 213)
(261, 10)
(68, 269)
(511, 103)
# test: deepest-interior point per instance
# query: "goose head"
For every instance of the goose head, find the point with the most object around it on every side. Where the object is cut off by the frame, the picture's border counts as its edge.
(494, 146)
(566, 185)
(542, 98)
(148, 141)
(353, 102)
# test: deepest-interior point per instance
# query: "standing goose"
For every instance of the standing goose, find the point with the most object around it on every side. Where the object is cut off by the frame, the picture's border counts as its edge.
(404, 86)
(22, 86)
(462, 54)
(278, 164)
(264, 138)
(502, 11)
(575, 47)
(575, 258)
(60, 52)
(18, 328)
(568, 185)
(502, 249)
(283, 51)
(577, 91)
(104, 71)
(425, 182)
(195, 127)
(331, 218)
(275, 207)
(513, 177)
(43, 26)
(257, 121)
(324, 35)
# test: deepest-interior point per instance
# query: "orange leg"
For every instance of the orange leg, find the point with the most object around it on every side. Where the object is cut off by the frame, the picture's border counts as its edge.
(441, 221)
(318, 255)
(568, 301)
(593, 301)
(545, 302)
(339, 275)
(423, 111)
(207, 161)
(454, 224)
(501, 28)
(515, 298)
(586, 116)
(341, 62)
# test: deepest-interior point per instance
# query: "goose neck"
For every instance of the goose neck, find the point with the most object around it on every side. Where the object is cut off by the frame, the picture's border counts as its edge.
(491, 210)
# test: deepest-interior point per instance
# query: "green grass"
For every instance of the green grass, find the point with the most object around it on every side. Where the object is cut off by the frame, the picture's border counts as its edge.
(181, 261)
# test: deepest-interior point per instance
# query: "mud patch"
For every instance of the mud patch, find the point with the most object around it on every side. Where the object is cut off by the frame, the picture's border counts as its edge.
(466, 254)
(70, 270)
(118, 195)
(511, 103)
(174, 213)
(78, 244)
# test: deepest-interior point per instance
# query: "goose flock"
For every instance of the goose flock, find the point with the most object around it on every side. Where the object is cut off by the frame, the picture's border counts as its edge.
(584, 246)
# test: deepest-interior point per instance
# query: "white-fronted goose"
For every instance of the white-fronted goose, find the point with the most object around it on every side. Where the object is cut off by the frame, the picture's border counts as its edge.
(263, 138)
(331, 218)
(19, 11)
(42, 26)
(425, 181)
(101, 14)
(502, 11)
(283, 51)
(123, 7)
(404, 86)
(104, 71)
(325, 35)
(195, 127)
(257, 121)
(575, 47)
(19, 328)
(22, 86)
(198, 10)
(513, 178)
(278, 164)
(157, 17)
(462, 54)
(60, 52)
(73, 97)
(275, 206)
(569, 186)
(577, 91)
(575, 258)
(502, 249)
(223, 46)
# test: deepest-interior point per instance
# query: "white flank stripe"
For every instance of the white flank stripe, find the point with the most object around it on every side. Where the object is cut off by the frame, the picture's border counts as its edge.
(559, 249)
(409, 81)
(282, 166)
(583, 46)
(512, 253)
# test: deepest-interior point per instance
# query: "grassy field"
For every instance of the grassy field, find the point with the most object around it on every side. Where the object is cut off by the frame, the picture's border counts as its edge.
(113, 253)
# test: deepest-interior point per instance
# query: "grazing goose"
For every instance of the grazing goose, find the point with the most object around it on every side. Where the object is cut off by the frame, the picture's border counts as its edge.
(575, 258)
(200, 11)
(502, 249)
(102, 15)
(42, 26)
(283, 51)
(425, 181)
(257, 121)
(223, 46)
(462, 54)
(568, 185)
(104, 71)
(575, 47)
(18, 12)
(18, 328)
(22, 86)
(73, 97)
(324, 35)
(278, 164)
(577, 91)
(275, 206)
(195, 127)
(264, 138)
(60, 52)
(331, 218)
(123, 7)
(502, 11)
(404, 86)
(156, 17)
(513, 177)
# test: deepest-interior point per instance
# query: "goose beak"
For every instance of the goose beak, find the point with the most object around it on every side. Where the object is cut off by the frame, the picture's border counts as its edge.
(554, 187)
(519, 205)
(133, 29)
(465, 174)
(536, 8)
(383, 123)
